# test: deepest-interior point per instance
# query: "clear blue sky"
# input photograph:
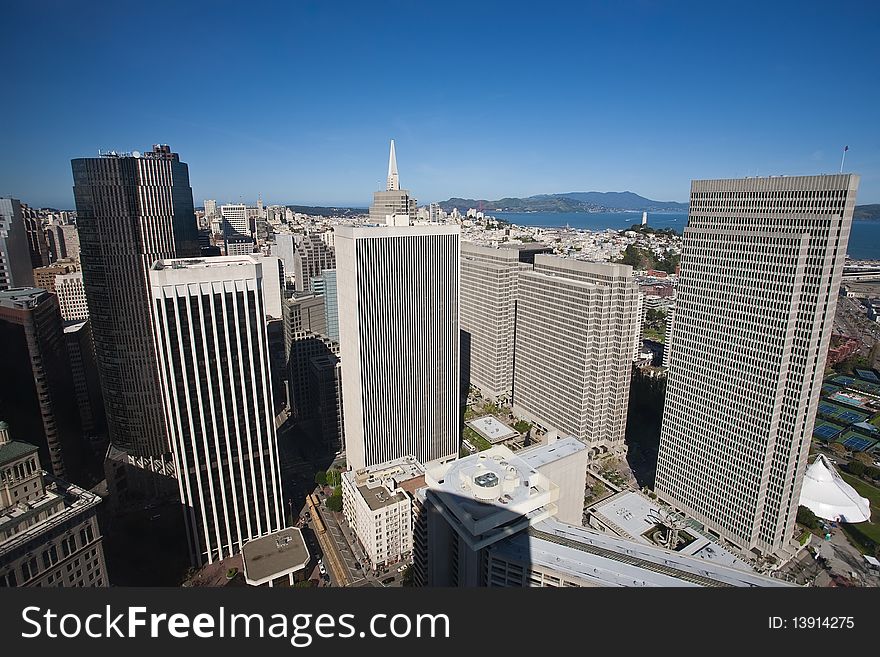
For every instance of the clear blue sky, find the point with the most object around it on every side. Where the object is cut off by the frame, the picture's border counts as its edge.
(298, 100)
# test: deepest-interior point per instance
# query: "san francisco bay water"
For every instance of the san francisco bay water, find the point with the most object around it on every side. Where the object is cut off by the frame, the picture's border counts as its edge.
(864, 239)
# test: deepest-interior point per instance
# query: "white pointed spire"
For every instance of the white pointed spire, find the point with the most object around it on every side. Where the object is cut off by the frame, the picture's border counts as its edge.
(393, 178)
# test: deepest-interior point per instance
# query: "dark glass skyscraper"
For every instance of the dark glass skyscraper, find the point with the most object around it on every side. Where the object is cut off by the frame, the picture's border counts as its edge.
(132, 209)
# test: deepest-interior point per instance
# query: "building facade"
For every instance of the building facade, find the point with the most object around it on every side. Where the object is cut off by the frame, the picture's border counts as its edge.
(15, 259)
(71, 293)
(761, 265)
(36, 389)
(49, 532)
(394, 200)
(311, 257)
(576, 324)
(399, 341)
(213, 350)
(132, 209)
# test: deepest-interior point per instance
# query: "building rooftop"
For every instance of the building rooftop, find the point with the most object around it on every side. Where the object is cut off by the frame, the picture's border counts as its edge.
(203, 263)
(605, 560)
(540, 455)
(491, 429)
(280, 553)
(22, 297)
(378, 484)
(634, 516)
(14, 450)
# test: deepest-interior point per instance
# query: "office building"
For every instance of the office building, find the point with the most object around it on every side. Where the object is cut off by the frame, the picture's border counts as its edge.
(377, 503)
(331, 303)
(305, 338)
(213, 351)
(394, 200)
(761, 264)
(576, 323)
(84, 373)
(490, 519)
(36, 389)
(49, 532)
(16, 269)
(235, 220)
(312, 256)
(44, 277)
(71, 296)
(399, 341)
(132, 209)
(67, 241)
(36, 236)
(489, 281)
(667, 344)
(284, 248)
(210, 208)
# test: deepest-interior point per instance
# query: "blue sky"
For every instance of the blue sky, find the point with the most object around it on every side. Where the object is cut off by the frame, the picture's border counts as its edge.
(297, 100)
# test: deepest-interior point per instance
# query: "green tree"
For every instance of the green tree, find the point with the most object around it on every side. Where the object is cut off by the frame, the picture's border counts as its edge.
(406, 578)
(856, 467)
(837, 448)
(321, 478)
(873, 472)
(807, 518)
(334, 477)
(522, 426)
(334, 502)
(863, 458)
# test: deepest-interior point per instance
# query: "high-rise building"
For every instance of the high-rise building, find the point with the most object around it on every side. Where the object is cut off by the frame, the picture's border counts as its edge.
(83, 369)
(235, 220)
(394, 200)
(575, 326)
(66, 239)
(36, 236)
(489, 281)
(761, 264)
(132, 210)
(284, 248)
(16, 269)
(305, 338)
(312, 256)
(44, 277)
(36, 389)
(213, 350)
(210, 208)
(72, 296)
(399, 341)
(331, 304)
(49, 532)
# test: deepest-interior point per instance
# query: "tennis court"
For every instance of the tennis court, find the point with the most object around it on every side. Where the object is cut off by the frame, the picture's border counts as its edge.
(824, 430)
(828, 388)
(841, 413)
(868, 375)
(856, 384)
(855, 441)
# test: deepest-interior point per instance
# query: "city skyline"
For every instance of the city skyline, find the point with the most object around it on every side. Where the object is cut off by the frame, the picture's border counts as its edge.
(500, 117)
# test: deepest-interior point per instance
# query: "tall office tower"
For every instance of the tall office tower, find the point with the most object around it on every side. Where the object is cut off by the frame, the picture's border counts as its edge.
(312, 256)
(667, 344)
(489, 278)
(761, 264)
(72, 296)
(331, 304)
(398, 291)
(36, 389)
(575, 326)
(325, 383)
(16, 269)
(63, 242)
(284, 248)
(210, 208)
(44, 277)
(235, 219)
(638, 334)
(213, 349)
(305, 338)
(36, 236)
(49, 532)
(132, 209)
(394, 200)
(84, 371)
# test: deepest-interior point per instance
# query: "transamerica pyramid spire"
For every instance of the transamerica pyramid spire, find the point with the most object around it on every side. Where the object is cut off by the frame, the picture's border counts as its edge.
(393, 178)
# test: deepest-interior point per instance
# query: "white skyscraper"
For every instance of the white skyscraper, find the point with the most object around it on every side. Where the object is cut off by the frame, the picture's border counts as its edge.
(210, 208)
(71, 296)
(761, 264)
(397, 293)
(235, 219)
(213, 349)
(394, 200)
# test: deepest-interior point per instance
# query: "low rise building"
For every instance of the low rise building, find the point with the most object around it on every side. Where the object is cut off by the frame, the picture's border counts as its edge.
(49, 533)
(278, 559)
(378, 504)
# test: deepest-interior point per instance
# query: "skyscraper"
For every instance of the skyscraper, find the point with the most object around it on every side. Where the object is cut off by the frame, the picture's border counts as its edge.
(489, 281)
(312, 256)
(210, 319)
(331, 304)
(575, 328)
(394, 200)
(16, 269)
(761, 264)
(72, 296)
(36, 389)
(132, 210)
(236, 229)
(399, 341)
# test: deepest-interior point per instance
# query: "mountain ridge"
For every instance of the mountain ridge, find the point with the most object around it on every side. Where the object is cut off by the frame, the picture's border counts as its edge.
(567, 202)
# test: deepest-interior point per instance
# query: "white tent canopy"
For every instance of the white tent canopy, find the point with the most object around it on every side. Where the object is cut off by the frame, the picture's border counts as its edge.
(827, 495)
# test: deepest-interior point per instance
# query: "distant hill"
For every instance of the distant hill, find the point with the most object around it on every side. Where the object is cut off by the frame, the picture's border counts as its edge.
(327, 212)
(567, 202)
(867, 212)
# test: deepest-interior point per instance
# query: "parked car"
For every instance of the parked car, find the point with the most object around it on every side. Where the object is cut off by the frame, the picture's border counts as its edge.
(321, 568)
(402, 568)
